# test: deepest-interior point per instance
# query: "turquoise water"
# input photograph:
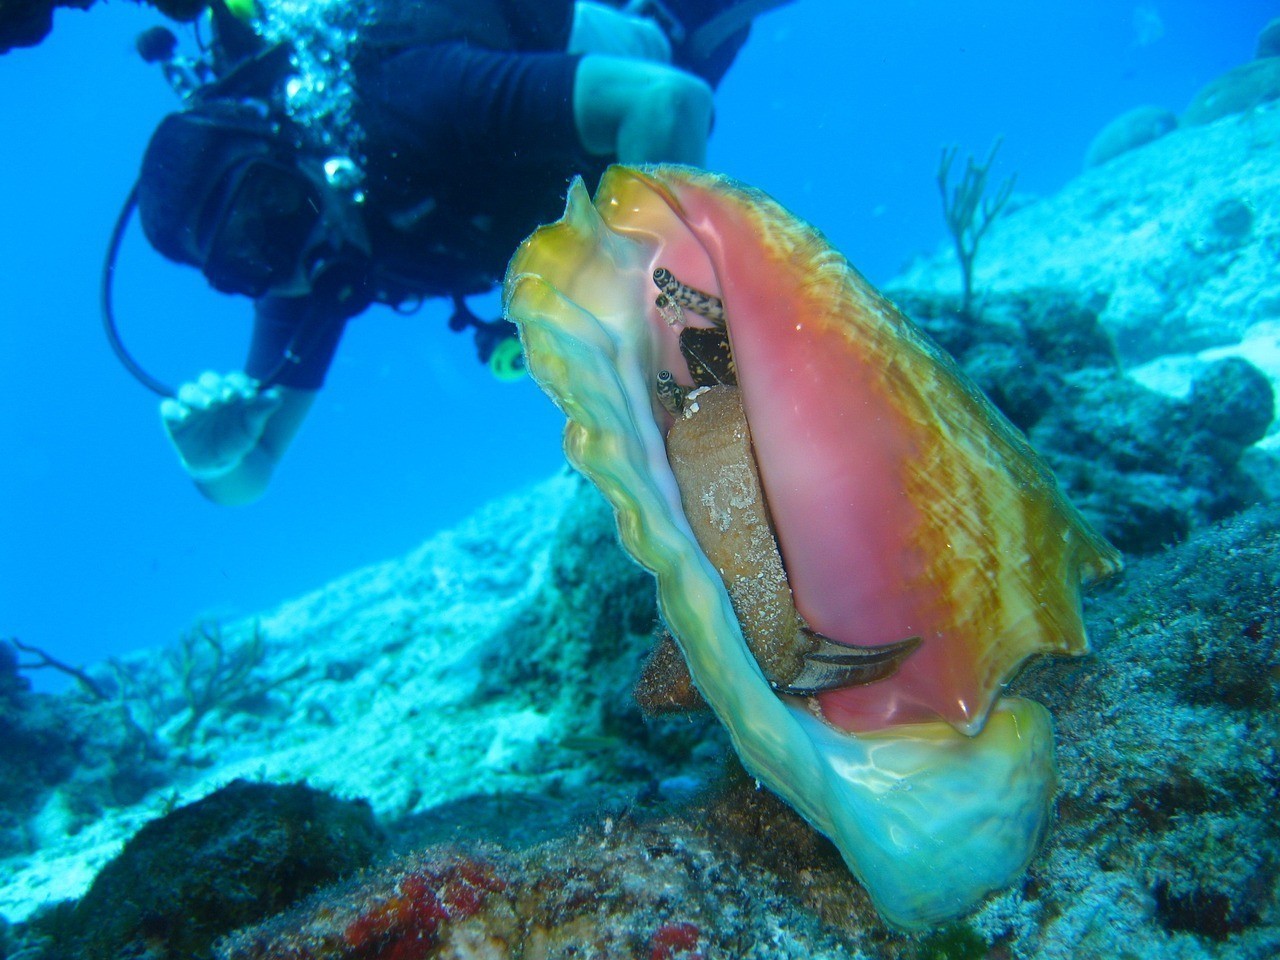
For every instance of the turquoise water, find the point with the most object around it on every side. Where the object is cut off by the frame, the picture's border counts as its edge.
(837, 108)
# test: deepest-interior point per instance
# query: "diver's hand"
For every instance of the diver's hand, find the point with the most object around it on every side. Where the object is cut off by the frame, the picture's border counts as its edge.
(601, 29)
(217, 421)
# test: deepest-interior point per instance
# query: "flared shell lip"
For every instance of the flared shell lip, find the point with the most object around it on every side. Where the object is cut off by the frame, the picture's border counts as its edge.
(868, 792)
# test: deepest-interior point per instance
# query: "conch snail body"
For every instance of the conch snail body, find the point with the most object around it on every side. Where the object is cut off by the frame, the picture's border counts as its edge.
(923, 550)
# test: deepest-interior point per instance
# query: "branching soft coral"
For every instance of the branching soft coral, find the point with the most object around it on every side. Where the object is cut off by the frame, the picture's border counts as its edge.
(968, 212)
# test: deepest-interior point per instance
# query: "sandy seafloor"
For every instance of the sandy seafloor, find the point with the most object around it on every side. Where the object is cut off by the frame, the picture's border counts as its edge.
(476, 690)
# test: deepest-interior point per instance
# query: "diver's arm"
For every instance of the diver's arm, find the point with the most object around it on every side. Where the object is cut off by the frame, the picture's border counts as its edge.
(641, 111)
(229, 435)
(249, 480)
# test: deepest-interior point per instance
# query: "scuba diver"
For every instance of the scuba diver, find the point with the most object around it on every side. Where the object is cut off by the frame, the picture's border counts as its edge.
(324, 166)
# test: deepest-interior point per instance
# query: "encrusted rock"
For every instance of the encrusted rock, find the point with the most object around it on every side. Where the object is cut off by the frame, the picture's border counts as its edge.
(1241, 88)
(1130, 130)
(236, 857)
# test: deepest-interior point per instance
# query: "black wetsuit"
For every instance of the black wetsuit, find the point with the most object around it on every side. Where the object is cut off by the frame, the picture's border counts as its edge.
(467, 109)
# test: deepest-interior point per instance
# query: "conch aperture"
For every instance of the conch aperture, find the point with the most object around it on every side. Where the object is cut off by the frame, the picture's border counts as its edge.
(923, 550)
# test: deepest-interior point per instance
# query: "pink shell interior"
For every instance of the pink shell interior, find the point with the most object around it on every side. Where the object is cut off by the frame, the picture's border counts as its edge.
(903, 503)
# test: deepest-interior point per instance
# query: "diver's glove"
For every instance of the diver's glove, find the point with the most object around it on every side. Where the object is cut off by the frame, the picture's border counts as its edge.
(217, 421)
(602, 29)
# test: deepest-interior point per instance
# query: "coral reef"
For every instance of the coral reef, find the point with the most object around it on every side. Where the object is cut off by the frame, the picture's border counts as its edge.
(1167, 783)
(1145, 467)
(1163, 845)
(625, 888)
(1174, 241)
(499, 657)
(241, 854)
(1132, 129)
(416, 910)
(1241, 88)
(65, 760)
(216, 673)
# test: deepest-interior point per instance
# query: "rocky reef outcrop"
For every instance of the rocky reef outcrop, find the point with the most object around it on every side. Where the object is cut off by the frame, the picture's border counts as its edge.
(1144, 466)
(1173, 242)
(531, 810)
(1130, 323)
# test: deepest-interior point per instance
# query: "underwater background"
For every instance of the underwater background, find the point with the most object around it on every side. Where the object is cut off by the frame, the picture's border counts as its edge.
(391, 710)
(838, 109)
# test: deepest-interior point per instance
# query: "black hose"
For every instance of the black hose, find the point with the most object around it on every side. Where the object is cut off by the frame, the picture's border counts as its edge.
(108, 314)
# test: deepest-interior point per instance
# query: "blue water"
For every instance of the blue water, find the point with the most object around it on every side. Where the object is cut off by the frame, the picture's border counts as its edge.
(838, 108)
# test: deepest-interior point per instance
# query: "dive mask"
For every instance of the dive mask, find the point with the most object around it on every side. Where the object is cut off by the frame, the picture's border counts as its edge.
(260, 229)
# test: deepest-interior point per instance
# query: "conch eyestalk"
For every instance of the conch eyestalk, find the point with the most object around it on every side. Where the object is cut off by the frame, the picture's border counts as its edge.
(900, 505)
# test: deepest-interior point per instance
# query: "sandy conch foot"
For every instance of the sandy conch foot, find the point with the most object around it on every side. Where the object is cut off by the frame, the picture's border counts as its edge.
(710, 453)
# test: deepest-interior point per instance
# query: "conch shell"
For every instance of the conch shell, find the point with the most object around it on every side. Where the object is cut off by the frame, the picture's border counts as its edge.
(903, 505)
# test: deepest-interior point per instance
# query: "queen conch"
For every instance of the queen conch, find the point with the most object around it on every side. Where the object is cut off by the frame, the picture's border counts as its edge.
(854, 549)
